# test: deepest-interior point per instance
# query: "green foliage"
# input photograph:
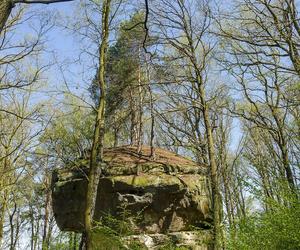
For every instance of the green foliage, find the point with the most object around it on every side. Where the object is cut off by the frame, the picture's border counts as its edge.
(125, 70)
(108, 232)
(136, 246)
(59, 246)
(123, 63)
(171, 246)
(278, 228)
(70, 132)
(105, 238)
(116, 226)
(63, 241)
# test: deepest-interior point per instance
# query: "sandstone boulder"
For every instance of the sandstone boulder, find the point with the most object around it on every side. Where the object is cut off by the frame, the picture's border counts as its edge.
(162, 196)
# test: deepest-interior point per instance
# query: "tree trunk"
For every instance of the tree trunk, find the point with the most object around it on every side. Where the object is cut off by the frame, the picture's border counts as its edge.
(287, 167)
(5, 10)
(5, 194)
(36, 234)
(116, 137)
(133, 118)
(1, 223)
(151, 102)
(140, 107)
(12, 226)
(2, 214)
(46, 219)
(97, 145)
(32, 228)
(283, 148)
(216, 198)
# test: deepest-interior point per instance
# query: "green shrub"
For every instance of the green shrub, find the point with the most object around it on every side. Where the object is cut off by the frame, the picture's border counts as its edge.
(279, 228)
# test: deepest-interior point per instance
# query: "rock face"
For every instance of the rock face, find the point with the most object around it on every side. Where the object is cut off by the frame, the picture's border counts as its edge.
(185, 239)
(165, 196)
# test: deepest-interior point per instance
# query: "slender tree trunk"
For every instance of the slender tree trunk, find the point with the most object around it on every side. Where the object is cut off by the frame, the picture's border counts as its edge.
(226, 196)
(12, 227)
(49, 231)
(5, 10)
(140, 107)
(133, 114)
(17, 229)
(152, 135)
(224, 169)
(46, 219)
(36, 234)
(97, 145)
(283, 148)
(116, 137)
(215, 189)
(5, 194)
(1, 223)
(2, 214)
(216, 197)
(32, 228)
(287, 167)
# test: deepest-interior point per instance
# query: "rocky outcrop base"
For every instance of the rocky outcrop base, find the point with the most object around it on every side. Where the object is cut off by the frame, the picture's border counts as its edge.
(192, 240)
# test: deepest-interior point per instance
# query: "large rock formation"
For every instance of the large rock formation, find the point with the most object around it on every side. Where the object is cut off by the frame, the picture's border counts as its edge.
(161, 199)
